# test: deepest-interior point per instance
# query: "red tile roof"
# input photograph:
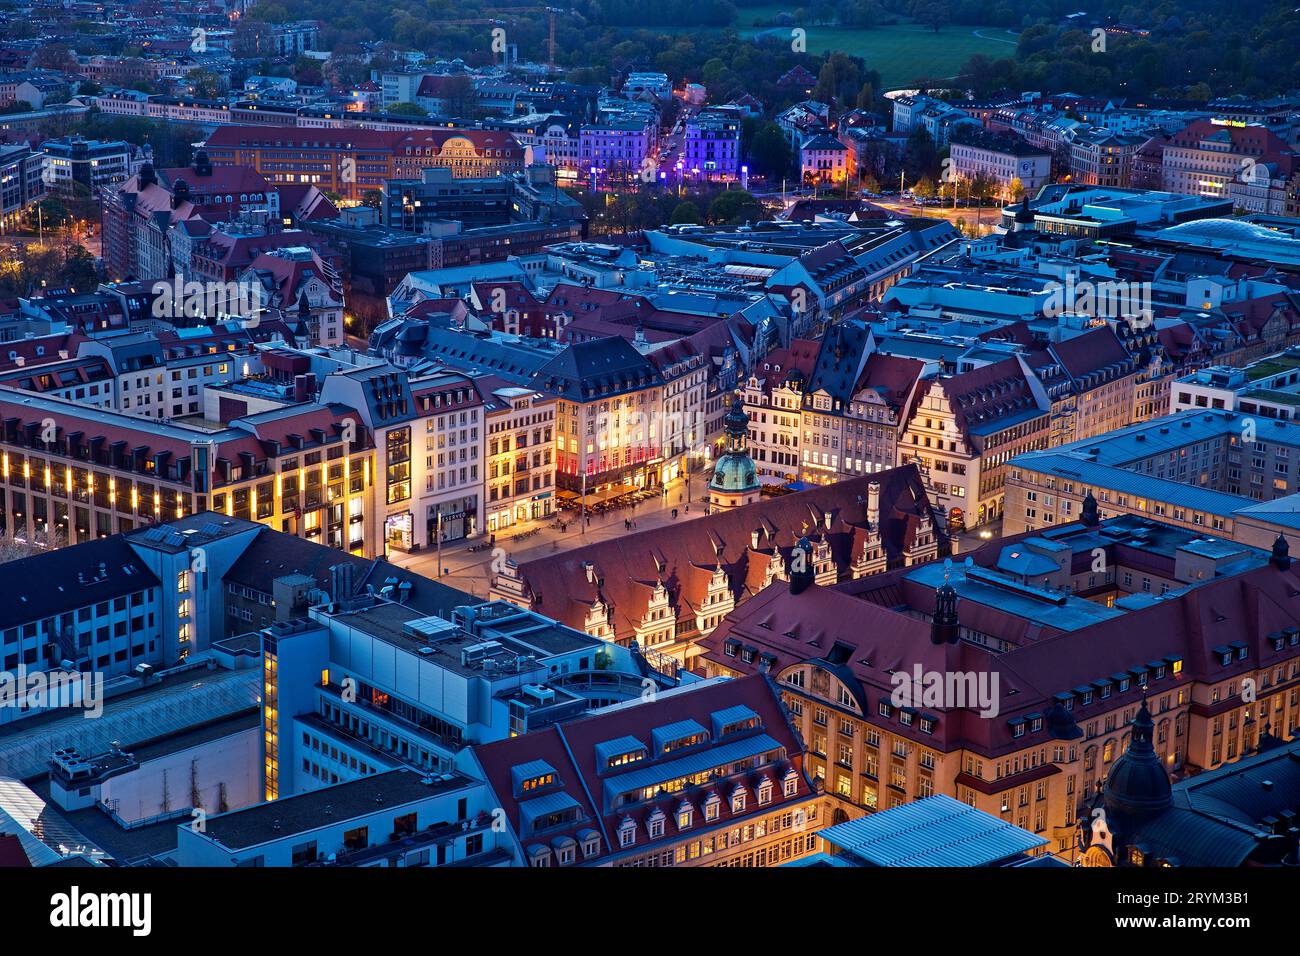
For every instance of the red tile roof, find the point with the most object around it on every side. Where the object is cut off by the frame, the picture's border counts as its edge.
(624, 571)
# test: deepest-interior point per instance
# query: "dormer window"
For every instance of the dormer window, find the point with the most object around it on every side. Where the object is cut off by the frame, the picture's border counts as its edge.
(685, 816)
(656, 824)
(539, 856)
(738, 800)
(712, 807)
(536, 783)
(765, 793)
(790, 783)
(627, 832)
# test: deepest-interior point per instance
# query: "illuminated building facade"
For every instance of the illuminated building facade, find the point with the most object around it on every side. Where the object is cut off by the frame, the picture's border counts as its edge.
(1043, 655)
(71, 474)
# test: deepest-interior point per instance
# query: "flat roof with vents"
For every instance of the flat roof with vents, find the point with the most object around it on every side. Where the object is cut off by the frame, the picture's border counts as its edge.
(934, 831)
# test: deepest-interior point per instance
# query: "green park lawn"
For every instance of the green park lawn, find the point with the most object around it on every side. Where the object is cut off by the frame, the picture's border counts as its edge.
(902, 53)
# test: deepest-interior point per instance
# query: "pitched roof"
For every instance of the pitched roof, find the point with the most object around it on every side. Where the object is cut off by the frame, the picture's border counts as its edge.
(625, 571)
(578, 753)
(595, 368)
(54, 582)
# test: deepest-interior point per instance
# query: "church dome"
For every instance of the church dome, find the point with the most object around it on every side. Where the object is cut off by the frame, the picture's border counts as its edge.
(734, 473)
(1137, 785)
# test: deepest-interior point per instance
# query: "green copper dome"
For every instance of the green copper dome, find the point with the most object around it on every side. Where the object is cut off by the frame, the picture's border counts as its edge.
(734, 471)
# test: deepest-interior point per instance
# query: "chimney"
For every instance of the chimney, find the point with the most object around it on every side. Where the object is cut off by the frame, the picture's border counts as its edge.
(340, 584)
(802, 573)
(1281, 558)
(873, 504)
(304, 387)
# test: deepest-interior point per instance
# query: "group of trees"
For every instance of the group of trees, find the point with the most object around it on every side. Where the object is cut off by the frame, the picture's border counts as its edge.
(1207, 49)
(1195, 49)
(639, 209)
(172, 143)
(56, 264)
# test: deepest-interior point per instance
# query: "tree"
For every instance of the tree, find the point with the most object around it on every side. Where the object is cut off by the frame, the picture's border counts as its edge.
(307, 71)
(934, 15)
(920, 158)
(53, 213)
(734, 206)
(1015, 189)
(251, 38)
(53, 537)
(459, 95)
(204, 84)
(983, 186)
(839, 80)
(686, 213)
(408, 109)
(172, 142)
(23, 271)
(769, 151)
(54, 56)
(79, 270)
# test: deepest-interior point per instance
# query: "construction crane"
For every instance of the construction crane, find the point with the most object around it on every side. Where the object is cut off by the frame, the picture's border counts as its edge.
(515, 13)
(550, 12)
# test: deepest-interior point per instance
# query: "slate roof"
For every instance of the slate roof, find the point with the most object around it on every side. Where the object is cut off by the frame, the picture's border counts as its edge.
(1055, 642)
(598, 368)
(62, 580)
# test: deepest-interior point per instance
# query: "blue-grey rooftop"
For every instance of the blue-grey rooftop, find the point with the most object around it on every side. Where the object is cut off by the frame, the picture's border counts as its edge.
(934, 831)
(1120, 480)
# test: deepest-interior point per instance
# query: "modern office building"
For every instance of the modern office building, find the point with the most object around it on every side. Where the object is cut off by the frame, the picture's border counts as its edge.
(368, 684)
(399, 817)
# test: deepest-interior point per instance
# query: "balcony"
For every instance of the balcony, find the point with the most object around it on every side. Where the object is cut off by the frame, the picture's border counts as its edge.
(399, 722)
(442, 833)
